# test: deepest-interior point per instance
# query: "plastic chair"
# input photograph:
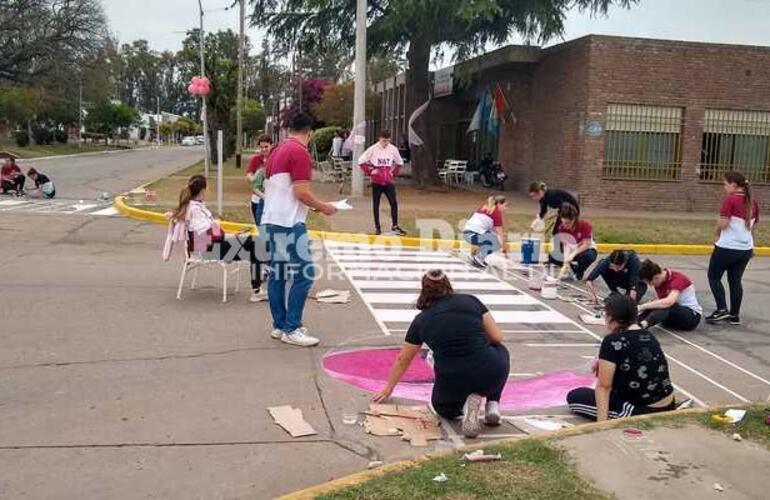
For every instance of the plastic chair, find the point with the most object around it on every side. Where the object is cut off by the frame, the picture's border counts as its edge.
(193, 261)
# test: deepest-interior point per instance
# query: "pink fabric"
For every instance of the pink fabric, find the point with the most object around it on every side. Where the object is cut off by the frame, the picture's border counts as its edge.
(382, 164)
(177, 232)
(368, 369)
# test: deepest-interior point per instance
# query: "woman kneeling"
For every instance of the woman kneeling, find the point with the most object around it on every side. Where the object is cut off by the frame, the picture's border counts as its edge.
(470, 361)
(632, 372)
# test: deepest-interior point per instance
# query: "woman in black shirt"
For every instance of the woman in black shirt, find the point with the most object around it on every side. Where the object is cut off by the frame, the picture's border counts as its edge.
(470, 361)
(550, 198)
(631, 373)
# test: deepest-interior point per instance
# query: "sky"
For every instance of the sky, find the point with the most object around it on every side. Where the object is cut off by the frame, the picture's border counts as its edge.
(723, 21)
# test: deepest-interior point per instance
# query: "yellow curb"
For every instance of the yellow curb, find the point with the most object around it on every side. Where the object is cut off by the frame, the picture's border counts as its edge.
(367, 475)
(429, 243)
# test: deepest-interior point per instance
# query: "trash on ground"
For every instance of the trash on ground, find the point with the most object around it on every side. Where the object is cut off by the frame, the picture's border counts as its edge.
(374, 464)
(767, 420)
(291, 420)
(441, 478)
(719, 487)
(330, 296)
(737, 437)
(415, 424)
(632, 431)
(734, 415)
(591, 319)
(720, 419)
(537, 424)
(350, 419)
(479, 456)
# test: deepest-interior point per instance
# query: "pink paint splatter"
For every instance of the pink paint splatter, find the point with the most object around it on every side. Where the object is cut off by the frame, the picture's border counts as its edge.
(368, 369)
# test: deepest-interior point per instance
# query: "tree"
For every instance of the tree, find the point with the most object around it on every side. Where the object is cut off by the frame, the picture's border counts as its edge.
(336, 105)
(253, 118)
(39, 36)
(312, 92)
(418, 27)
(108, 118)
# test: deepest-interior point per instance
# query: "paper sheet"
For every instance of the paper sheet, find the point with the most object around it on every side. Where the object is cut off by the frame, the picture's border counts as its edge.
(342, 204)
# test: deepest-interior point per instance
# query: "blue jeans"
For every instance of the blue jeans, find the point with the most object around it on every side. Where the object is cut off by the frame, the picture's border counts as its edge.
(289, 258)
(488, 242)
(256, 210)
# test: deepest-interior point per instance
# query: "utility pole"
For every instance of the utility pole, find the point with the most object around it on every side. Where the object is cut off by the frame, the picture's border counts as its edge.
(239, 103)
(359, 99)
(80, 114)
(299, 78)
(157, 123)
(204, 116)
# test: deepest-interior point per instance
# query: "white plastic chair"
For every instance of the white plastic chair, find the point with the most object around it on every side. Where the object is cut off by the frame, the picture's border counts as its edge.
(193, 261)
(455, 170)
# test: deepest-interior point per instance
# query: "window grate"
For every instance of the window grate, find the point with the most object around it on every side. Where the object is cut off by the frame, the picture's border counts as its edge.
(643, 142)
(736, 140)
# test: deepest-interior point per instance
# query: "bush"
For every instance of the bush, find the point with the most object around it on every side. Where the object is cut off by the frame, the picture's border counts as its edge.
(42, 135)
(322, 140)
(22, 138)
(61, 136)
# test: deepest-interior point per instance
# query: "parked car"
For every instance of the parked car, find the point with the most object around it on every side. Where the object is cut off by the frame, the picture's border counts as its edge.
(199, 140)
(189, 141)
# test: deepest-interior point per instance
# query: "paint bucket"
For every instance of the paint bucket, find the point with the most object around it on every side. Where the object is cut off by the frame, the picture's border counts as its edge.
(536, 276)
(530, 251)
(550, 289)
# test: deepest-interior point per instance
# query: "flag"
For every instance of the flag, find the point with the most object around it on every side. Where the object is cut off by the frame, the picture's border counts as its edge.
(493, 117)
(478, 115)
(501, 104)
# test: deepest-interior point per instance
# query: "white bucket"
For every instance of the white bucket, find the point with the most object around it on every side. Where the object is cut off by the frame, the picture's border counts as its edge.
(550, 289)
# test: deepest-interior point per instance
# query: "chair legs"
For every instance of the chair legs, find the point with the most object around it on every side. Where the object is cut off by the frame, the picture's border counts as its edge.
(181, 281)
(194, 278)
(224, 283)
(195, 267)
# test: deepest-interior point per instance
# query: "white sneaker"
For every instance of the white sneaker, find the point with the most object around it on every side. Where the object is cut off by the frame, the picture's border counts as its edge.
(492, 413)
(276, 334)
(300, 338)
(471, 423)
(258, 296)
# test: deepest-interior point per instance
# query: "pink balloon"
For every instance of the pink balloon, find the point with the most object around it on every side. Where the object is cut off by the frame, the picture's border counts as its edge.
(191, 89)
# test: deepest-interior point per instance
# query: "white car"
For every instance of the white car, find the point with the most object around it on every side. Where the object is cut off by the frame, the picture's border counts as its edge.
(199, 140)
(188, 141)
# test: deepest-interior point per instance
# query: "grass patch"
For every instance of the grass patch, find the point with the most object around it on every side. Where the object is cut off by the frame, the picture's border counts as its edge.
(530, 469)
(752, 427)
(38, 151)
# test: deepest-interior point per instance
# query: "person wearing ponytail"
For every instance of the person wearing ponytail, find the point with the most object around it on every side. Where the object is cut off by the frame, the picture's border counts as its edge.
(484, 230)
(552, 199)
(470, 362)
(574, 247)
(734, 247)
(208, 239)
(631, 373)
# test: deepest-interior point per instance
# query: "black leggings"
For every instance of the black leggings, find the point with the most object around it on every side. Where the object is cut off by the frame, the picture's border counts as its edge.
(582, 401)
(734, 262)
(16, 184)
(677, 317)
(390, 193)
(240, 247)
(488, 379)
(579, 263)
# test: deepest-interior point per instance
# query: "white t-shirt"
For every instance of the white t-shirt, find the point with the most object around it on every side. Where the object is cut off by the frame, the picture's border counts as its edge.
(736, 236)
(288, 163)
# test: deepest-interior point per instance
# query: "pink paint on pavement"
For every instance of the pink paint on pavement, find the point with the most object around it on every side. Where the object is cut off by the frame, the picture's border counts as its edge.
(368, 369)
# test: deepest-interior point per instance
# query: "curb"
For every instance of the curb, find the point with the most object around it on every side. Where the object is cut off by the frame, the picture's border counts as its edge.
(77, 155)
(429, 243)
(367, 475)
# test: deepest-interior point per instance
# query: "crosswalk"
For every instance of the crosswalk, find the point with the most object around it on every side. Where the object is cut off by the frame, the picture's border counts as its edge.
(58, 207)
(388, 281)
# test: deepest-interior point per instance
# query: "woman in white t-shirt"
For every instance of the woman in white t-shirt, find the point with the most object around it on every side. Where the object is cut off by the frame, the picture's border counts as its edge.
(734, 247)
(484, 230)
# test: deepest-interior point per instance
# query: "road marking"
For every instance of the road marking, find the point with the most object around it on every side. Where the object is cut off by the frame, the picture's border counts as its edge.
(411, 298)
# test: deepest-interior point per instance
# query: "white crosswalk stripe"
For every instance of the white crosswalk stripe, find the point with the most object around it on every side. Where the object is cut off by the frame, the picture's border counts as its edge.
(57, 207)
(388, 281)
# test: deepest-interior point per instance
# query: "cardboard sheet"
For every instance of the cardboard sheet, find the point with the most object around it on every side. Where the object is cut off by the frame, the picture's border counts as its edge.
(415, 424)
(291, 420)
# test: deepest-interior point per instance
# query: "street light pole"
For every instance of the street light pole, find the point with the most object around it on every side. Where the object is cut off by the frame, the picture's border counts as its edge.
(239, 103)
(80, 114)
(359, 99)
(204, 116)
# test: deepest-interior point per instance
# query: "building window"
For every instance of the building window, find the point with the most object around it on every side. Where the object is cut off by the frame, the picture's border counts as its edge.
(736, 140)
(643, 142)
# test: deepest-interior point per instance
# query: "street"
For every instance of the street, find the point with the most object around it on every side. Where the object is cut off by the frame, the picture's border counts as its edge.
(112, 388)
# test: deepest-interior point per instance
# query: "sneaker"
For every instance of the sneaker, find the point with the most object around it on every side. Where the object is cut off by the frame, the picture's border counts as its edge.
(492, 413)
(687, 403)
(735, 320)
(476, 261)
(717, 316)
(258, 296)
(471, 423)
(276, 334)
(399, 231)
(377, 232)
(299, 337)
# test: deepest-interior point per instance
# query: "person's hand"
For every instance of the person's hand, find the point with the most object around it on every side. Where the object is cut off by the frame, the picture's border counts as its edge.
(328, 209)
(382, 395)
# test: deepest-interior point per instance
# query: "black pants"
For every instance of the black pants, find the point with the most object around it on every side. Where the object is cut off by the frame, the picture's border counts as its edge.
(579, 264)
(734, 262)
(15, 184)
(582, 401)
(677, 317)
(242, 247)
(488, 379)
(390, 193)
(614, 284)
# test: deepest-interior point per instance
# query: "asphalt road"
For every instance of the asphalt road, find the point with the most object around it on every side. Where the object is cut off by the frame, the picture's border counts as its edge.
(84, 177)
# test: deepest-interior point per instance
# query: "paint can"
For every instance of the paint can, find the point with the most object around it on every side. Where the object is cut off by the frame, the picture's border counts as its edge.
(550, 289)
(530, 250)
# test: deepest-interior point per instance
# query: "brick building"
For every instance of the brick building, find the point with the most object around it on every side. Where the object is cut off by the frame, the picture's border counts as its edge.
(622, 122)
